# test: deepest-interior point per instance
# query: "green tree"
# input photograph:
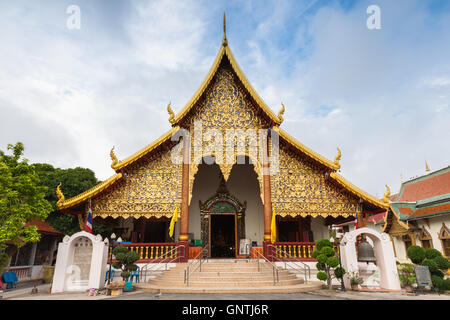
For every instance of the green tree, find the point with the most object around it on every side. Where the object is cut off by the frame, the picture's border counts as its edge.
(74, 181)
(327, 262)
(22, 199)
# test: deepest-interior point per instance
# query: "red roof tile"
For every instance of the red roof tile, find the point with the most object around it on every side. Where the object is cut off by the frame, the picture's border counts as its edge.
(43, 227)
(431, 210)
(427, 188)
(377, 217)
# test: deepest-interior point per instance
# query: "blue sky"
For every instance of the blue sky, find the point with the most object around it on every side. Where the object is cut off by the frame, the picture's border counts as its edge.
(382, 96)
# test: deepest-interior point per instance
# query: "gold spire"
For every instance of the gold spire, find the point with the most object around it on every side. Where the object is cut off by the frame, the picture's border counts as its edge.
(337, 158)
(280, 114)
(387, 194)
(426, 166)
(172, 115)
(224, 40)
(113, 158)
(59, 194)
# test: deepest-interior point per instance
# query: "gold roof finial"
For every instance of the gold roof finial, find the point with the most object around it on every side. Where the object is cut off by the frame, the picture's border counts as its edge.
(172, 115)
(280, 114)
(113, 158)
(60, 195)
(387, 194)
(337, 158)
(426, 166)
(224, 40)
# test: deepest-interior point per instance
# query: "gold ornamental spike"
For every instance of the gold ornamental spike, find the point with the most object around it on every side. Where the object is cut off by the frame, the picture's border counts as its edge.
(426, 166)
(60, 195)
(280, 114)
(337, 158)
(113, 158)
(224, 40)
(387, 194)
(172, 115)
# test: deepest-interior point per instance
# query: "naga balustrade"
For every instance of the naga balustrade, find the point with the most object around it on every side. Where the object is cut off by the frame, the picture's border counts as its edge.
(150, 252)
(301, 251)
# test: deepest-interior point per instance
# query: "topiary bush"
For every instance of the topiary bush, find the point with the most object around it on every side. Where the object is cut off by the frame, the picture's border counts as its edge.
(416, 254)
(446, 284)
(125, 261)
(442, 262)
(432, 253)
(437, 281)
(326, 262)
(431, 265)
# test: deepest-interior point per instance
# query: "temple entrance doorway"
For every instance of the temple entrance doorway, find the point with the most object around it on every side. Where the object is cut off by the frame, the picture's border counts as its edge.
(223, 240)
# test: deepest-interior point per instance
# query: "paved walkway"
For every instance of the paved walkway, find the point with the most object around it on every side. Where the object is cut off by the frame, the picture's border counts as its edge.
(323, 294)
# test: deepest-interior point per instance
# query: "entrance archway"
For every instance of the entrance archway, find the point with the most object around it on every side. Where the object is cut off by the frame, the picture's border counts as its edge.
(384, 254)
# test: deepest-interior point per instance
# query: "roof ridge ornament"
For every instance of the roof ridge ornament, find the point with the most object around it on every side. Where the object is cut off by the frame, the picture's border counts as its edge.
(60, 195)
(113, 158)
(387, 194)
(224, 40)
(172, 115)
(337, 158)
(280, 114)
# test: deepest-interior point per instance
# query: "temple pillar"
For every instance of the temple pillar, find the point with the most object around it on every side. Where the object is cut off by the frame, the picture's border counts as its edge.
(267, 197)
(183, 238)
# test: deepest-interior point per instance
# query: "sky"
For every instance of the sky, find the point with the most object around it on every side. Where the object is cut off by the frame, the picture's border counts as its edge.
(381, 95)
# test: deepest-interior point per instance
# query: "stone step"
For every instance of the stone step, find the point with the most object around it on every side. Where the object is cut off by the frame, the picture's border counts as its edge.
(224, 275)
(306, 287)
(227, 283)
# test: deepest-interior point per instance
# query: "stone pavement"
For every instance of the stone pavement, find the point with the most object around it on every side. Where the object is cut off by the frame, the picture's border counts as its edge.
(322, 294)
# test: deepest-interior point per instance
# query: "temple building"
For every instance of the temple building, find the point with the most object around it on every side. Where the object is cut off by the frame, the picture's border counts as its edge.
(420, 214)
(225, 166)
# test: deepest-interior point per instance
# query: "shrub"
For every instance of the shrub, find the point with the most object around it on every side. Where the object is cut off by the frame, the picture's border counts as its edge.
(125, 261)
(406, 274)
(339, 272)
(442, 262)
(446, 284)
(323, 243)
(432, 253)
(322, 276)
(431, 265)
(416, 254)
(437, 282)
(326, 261)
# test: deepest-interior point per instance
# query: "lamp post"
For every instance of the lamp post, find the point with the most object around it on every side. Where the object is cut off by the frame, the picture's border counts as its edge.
(338, 242)
(113, 237)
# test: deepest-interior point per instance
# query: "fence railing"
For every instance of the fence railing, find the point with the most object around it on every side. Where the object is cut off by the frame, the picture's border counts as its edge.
(22, 272)
(151, 252)
(295, 250)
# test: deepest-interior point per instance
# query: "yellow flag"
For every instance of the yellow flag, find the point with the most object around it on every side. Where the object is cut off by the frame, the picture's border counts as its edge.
(172, 222)
(273, 228)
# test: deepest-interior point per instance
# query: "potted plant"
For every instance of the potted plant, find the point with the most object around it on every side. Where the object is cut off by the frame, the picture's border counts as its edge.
(125, 261)
(355, 280)
(407, 275)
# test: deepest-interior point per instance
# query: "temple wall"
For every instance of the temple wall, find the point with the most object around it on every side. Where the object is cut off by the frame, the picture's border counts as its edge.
(319, 229)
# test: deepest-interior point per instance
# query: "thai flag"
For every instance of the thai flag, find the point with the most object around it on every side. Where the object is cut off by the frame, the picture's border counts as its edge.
(356, 221)
(89, 219)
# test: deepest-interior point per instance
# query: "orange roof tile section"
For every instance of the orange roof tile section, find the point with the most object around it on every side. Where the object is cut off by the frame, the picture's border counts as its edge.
(377, 217)
(424, 189)
(431, 210)
(42, 226)
(407, 211)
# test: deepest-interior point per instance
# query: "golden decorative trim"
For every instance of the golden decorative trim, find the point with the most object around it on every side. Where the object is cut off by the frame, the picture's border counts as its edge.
(280, 114)
(387, 195)
(358, 192)
(60, 195)
(307, 151)
(267, 237)
(135, 215)
(225, 51)
(64, 204)
(315, 214)
(147, 149)
(397, 217)
(113, 158)
(183, 237)
(337, 158)
(81, 222)
(172, 115)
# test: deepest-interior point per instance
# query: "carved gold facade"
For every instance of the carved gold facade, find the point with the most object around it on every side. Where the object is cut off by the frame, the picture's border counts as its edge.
(226, 106)
(150, 188)
(300, 188)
